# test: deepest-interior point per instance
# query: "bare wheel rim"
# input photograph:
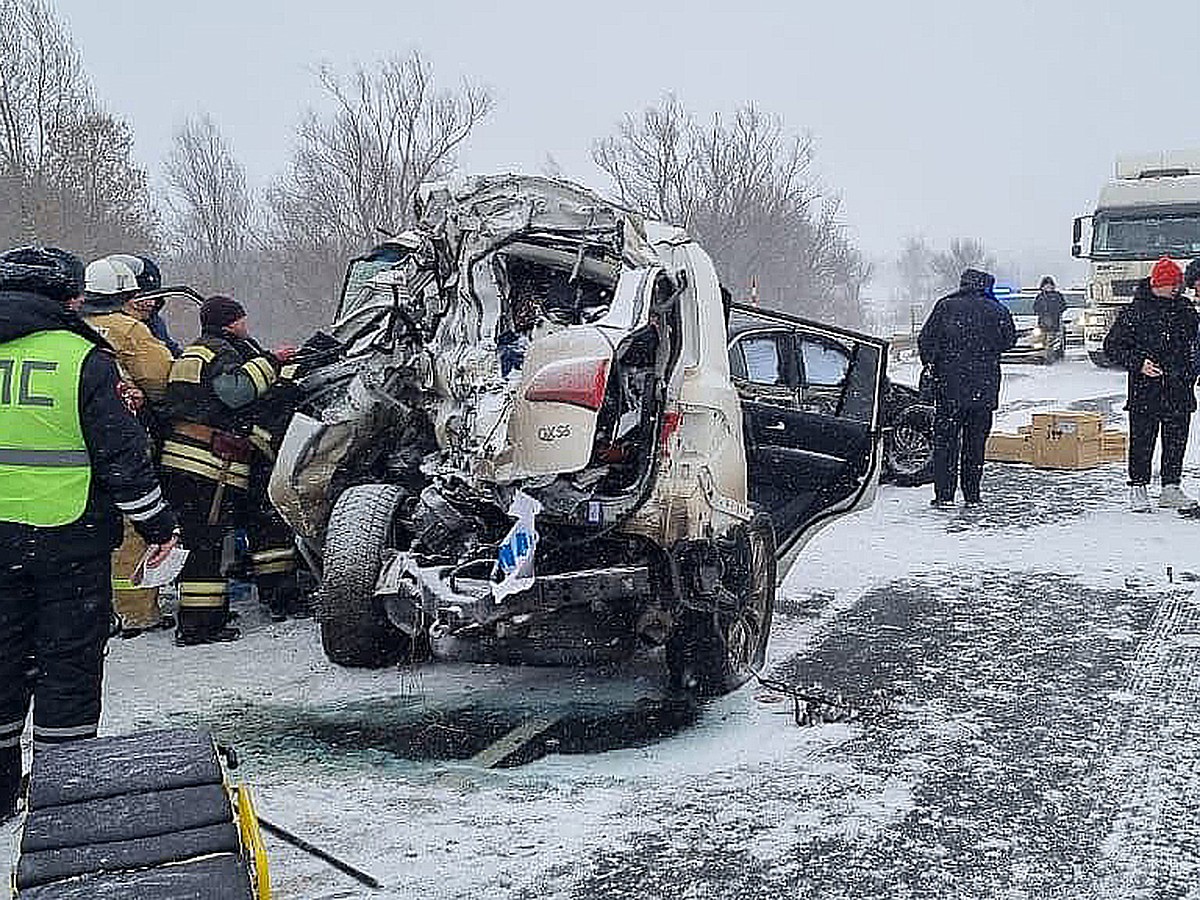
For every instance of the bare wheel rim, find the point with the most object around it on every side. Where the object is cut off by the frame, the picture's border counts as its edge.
(745, 631)
(911, 449)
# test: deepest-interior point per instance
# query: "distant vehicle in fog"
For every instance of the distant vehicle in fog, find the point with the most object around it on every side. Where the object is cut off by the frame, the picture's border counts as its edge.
(1034, 343)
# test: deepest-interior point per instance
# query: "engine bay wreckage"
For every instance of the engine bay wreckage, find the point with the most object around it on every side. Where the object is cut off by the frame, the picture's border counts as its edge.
(522, 441)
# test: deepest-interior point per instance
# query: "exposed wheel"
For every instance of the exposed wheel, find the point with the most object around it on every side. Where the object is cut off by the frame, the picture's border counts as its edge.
(355, 631)
(713, 653)
(908, 448)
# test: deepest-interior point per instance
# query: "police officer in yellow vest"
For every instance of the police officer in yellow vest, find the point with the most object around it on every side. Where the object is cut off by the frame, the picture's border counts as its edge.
(72, 460)
(111, 289)
(210, 460)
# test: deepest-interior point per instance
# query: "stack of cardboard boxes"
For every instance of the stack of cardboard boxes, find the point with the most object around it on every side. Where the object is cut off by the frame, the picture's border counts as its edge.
(1059, 440)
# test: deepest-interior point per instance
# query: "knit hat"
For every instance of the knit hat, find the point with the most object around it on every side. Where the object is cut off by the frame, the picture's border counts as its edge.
(218, 312)
(1165, 274)
(975, 280)
(47, 271)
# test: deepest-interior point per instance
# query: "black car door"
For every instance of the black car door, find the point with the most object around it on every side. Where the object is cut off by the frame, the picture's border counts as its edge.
(810, 404)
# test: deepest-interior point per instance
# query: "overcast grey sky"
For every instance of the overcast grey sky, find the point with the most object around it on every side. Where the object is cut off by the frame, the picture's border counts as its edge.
(997, 120)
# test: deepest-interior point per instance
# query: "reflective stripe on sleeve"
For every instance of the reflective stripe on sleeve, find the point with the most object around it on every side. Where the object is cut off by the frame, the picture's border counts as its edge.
(261, 373)
(147, 514)
(145, 500)
(200, 352)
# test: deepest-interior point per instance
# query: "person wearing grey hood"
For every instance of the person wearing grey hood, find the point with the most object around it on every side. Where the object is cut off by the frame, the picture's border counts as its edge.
(960, 346)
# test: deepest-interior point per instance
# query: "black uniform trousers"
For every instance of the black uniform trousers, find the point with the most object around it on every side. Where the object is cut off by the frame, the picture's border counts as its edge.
(203, 588)
(272, 545)
(959, 438)
(55, 618)
(1144, 429)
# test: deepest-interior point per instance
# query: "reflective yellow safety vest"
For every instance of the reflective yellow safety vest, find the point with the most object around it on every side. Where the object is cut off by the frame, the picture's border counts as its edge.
(45, 472)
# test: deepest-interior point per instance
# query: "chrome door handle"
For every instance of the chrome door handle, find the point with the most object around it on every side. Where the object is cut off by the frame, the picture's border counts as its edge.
(776, 426)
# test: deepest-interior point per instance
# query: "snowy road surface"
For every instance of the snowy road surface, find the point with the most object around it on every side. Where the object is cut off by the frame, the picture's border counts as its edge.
(1027, 680)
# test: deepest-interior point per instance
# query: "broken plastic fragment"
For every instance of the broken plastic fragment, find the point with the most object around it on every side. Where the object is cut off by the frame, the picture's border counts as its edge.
(514, 559)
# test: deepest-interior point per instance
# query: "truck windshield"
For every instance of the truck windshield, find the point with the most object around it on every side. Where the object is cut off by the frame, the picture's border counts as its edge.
(1146, 236)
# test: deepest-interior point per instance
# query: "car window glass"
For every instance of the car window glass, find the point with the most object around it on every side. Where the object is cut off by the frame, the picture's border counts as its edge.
(763, 364)
(823, 364)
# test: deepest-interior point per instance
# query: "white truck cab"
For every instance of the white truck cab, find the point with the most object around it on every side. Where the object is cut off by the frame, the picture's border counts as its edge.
(1150, 210)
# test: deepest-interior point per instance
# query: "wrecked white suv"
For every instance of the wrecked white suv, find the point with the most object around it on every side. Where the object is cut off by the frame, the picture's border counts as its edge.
(527, 442)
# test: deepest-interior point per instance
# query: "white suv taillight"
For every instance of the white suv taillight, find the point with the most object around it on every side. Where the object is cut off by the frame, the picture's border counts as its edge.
(579, 382)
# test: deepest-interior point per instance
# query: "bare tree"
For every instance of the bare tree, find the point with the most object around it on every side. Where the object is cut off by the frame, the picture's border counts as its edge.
(94, 196)
(744, 188)
(356, 170)
(963, 253)
(41, 86)
(211, 204)
(66, 170)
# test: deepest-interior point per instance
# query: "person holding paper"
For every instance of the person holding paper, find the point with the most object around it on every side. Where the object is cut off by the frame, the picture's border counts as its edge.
(72, 460)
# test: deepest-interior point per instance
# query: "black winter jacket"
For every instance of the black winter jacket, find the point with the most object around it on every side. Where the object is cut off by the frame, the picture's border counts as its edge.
(226, 396)
(1162, 330)
(1049, 306)
(123, 477)
(961, 343)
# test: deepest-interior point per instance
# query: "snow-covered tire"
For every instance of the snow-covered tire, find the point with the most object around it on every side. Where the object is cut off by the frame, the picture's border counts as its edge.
(713, 653)
(908, 448)
(355, 630)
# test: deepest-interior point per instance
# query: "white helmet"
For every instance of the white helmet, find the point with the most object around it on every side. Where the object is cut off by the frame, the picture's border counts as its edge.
(109, 275)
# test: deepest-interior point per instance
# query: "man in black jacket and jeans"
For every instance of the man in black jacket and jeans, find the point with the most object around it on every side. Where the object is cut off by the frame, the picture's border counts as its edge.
(960, 345)
(72, 461)
(1154, 338)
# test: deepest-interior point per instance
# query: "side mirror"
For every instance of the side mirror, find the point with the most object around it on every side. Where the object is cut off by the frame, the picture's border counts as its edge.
(1077, 232)
(1076, 250)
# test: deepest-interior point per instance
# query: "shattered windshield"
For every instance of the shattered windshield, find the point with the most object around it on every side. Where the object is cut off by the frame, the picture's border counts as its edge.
(358, 291)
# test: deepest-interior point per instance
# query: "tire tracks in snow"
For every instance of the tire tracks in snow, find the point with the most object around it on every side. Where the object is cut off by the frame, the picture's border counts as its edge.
(1146, 789)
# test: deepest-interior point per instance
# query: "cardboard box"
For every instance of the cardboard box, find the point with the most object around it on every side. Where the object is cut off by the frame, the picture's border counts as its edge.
(1059, 450)
(1003, 447)
(1085, 425)
(1114, 446)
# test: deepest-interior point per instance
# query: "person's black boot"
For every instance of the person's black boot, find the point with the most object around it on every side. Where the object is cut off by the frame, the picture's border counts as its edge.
(10, 781)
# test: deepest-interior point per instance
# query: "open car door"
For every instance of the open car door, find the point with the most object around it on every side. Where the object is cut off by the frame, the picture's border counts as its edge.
(810, 398)
(179, 308)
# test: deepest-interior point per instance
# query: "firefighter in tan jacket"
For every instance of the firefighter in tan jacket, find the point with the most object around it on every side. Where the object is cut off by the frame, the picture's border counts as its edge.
(111, 307)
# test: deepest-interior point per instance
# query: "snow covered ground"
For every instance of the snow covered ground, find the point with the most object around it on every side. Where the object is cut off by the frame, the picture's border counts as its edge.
(1025, 677)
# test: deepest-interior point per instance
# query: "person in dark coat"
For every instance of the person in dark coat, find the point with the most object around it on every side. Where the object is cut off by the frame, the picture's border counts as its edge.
(73, 460)
(1049, 306)
(1154, 339)
(960, 346)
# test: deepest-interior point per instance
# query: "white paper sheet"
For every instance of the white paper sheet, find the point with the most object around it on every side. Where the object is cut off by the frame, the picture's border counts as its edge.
(164, 573)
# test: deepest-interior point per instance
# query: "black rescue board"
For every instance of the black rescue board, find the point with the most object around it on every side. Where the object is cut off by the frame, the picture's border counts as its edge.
(129, 764)
(142, 815)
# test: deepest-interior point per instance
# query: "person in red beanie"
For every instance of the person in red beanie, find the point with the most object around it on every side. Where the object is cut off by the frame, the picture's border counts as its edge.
(1153, 339)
